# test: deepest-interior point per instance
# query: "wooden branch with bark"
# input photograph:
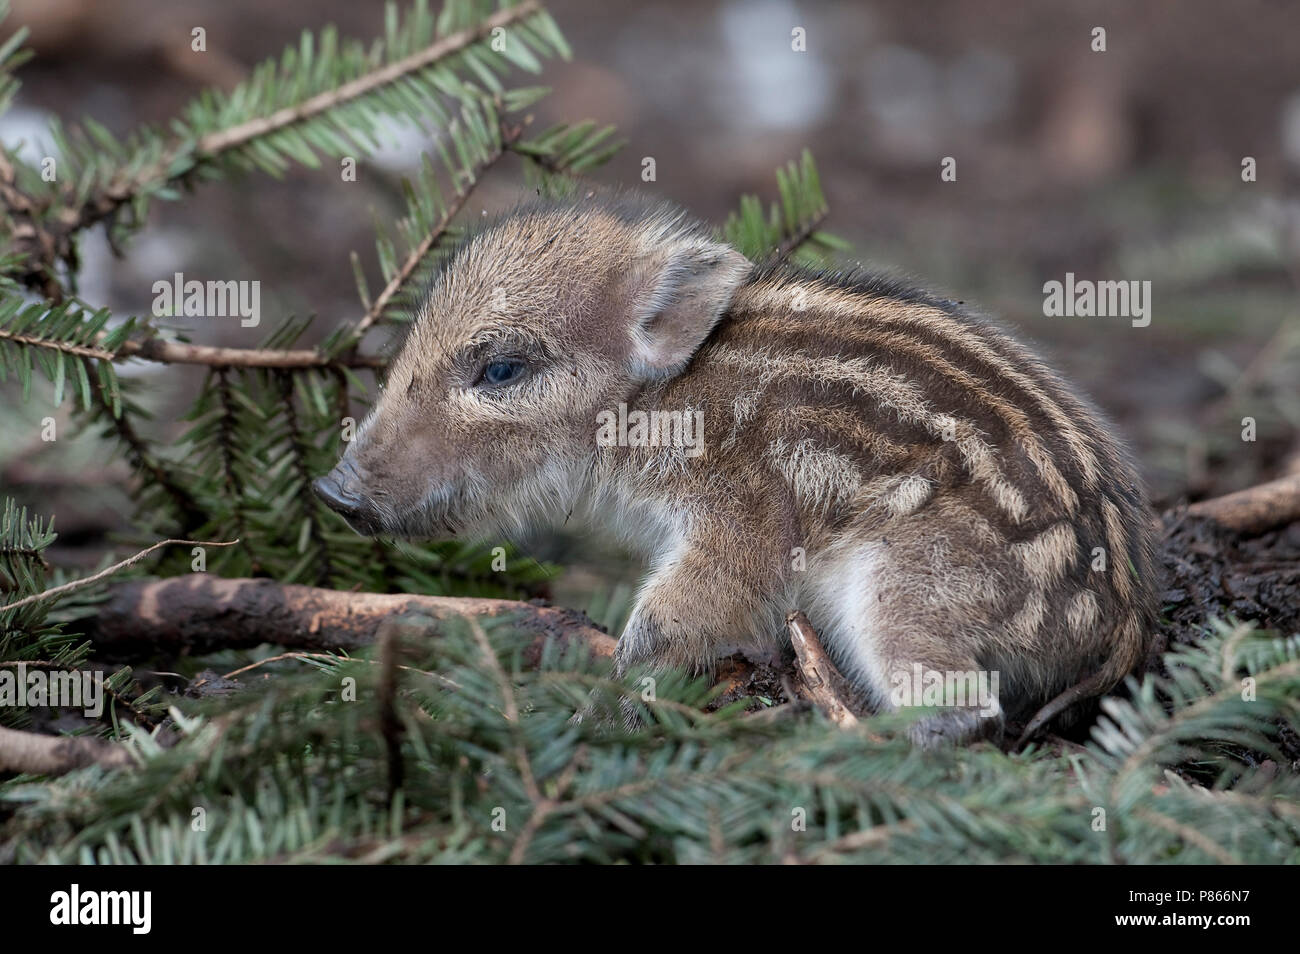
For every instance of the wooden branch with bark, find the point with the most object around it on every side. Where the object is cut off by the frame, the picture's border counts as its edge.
(202, 614)
(33, 753)
(1256, 509)
(198, 614)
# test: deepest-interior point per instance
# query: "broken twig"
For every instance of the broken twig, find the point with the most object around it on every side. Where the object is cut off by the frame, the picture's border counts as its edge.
(821, 680)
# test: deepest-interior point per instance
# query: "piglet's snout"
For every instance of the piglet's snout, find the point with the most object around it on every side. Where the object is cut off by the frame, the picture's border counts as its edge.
(340, 490)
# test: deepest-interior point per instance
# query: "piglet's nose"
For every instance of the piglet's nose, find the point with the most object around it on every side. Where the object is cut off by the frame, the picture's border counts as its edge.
(338, 490)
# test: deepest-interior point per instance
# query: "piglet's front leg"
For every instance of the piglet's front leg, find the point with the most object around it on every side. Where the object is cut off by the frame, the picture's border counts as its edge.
(700, 600)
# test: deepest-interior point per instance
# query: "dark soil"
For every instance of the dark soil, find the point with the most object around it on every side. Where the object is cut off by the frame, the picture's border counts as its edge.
(1213, 574)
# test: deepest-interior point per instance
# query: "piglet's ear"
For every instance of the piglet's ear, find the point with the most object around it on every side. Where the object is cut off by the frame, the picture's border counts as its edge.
(677, 293)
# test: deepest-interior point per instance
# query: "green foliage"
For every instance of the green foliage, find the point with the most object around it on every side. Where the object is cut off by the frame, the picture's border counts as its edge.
(12, 56)
(25, 633)
(255, 437)
(791, 225)
(325, 96)
(566, 150)
(291, 771)
(67, 343)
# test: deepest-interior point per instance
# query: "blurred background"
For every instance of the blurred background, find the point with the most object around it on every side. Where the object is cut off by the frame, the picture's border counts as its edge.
(1122, 165)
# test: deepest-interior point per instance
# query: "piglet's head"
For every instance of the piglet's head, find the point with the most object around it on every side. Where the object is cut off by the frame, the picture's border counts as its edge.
(545, 319)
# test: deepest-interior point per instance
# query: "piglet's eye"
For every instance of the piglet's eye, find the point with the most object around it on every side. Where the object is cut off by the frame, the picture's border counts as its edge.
(496, 373)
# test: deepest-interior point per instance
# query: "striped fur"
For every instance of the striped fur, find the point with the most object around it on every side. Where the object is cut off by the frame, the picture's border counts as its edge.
(903, 470)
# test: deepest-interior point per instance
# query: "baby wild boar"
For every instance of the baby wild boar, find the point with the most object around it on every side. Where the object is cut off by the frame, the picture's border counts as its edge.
(930, 494)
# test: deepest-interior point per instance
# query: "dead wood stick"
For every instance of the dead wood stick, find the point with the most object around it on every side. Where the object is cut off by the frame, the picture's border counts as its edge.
(36, 754)
(821, 679)
(1255, 509)
(199, 613)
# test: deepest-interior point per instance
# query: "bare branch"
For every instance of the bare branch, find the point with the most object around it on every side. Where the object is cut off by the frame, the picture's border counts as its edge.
(198, 613)
(176, 352)
(1255, 509)
(822, 681)
(36, 754)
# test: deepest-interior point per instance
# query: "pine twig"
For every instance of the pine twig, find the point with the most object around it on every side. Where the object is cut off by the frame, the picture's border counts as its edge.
(511, 710)
(390, 724)
(45, 242)
(509, 136)
(143, 461)
(805, 232)
(227, 139)
(175, 352)
(298, 448)
(57, 592)
(54, 345)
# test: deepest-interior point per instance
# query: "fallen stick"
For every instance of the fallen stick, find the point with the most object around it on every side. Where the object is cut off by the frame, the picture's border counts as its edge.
(199, 614)
(1255, 509)
(821, 680)
(35, 754)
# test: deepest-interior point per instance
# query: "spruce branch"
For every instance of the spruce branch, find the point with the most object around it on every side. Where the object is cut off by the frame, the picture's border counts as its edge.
(296, 444)
(719, 787)
(63, 341)
(214, 144)
(153, 472)
(64, 347)
(358, 85)
(791, 227)
(506, 135)
(801, 236)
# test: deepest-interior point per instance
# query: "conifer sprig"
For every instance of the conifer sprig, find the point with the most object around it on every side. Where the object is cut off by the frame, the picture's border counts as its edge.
(325, 96)
(791, 227)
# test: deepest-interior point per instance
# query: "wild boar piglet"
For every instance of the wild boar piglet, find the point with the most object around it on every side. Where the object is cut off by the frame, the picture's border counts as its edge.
(936, 500)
